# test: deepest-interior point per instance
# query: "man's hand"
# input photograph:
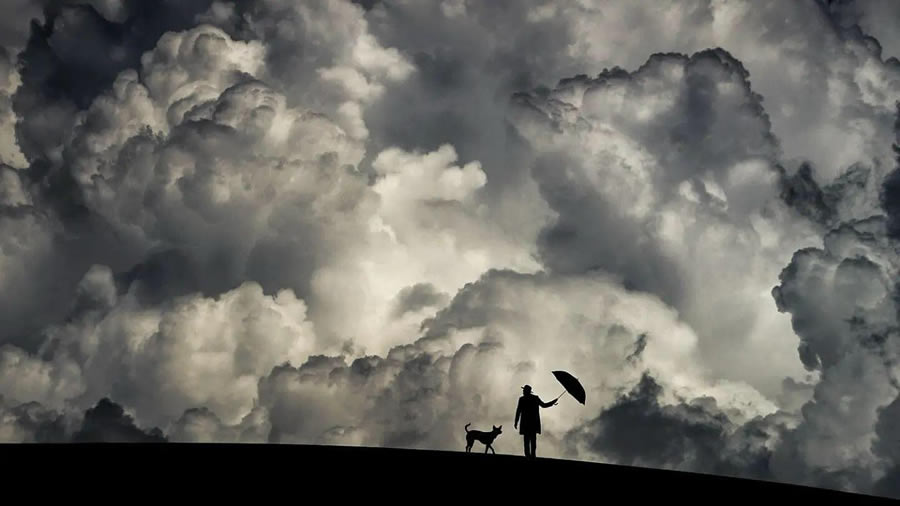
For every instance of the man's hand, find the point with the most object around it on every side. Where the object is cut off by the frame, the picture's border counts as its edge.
(515, 426)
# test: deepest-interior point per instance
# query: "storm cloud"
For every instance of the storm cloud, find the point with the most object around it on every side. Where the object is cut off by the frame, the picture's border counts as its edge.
(371, 222)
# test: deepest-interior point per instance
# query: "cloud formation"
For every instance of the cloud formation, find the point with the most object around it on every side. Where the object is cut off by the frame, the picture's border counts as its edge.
(369, 223)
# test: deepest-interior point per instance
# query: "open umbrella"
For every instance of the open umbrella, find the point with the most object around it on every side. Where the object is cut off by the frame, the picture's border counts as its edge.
(571, 385)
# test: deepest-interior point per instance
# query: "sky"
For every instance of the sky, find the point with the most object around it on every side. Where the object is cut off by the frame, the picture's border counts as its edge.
(371, 222)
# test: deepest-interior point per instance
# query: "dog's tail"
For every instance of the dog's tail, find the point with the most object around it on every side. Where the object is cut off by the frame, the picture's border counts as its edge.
(467, 427)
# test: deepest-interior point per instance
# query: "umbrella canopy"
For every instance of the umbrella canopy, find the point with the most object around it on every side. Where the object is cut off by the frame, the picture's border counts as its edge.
(571, 384)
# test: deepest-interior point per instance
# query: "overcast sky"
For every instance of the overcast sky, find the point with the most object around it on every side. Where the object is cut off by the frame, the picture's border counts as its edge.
(371, 222)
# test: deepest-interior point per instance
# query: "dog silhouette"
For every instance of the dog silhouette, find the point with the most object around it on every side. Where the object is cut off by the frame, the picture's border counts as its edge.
(486, 438)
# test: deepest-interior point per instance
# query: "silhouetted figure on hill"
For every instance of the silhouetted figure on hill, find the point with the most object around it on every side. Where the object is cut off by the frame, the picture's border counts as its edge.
(529, 412)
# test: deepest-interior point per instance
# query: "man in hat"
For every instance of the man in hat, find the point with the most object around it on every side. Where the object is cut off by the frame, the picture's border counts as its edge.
(528, 410)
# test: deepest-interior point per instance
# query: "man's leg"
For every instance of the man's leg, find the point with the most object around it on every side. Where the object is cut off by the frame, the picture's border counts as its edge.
(527, 444)
(534, 446)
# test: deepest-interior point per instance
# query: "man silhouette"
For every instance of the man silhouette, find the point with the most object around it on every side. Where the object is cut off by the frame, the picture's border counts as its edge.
(528, 410)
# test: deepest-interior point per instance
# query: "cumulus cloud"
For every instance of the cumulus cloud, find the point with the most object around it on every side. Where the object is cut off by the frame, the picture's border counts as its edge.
(342, 67)
(828, 91)
(190, 351)
(692, 435)
(835, 83)
(163, 157)
(203, 425)
(9, 83)
(504, 329)
(843, 308)
(628, 163)
(31, 423)
(107, 422)
(873, 17)
(843, 305)
(369, 222)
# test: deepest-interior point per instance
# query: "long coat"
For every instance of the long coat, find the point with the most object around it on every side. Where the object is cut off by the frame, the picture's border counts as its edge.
(529, 411)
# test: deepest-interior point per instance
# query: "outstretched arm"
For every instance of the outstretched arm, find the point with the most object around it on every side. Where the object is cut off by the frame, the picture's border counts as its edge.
(546, 404)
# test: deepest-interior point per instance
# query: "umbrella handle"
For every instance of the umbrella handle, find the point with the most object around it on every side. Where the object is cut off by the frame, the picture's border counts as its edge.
(560, 395)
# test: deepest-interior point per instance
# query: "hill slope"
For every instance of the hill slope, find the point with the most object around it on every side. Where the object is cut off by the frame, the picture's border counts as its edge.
(376, 473)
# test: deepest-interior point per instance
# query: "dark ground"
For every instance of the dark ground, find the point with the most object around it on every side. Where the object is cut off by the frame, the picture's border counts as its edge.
(126, 473)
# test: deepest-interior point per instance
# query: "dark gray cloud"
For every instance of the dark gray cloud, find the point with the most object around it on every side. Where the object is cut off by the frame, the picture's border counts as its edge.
(71, 56)
(16, 16)
(107, 422)
(873, 17)
(886, 447)
(890, 192)
(74, 53)
(639, 346)
(419, 296)
(32, 423)
(801, 192)
(795, 394)
(693, 435)
(843, 304)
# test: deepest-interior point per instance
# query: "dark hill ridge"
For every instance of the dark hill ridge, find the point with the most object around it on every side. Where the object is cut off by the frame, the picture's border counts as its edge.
(403, 475)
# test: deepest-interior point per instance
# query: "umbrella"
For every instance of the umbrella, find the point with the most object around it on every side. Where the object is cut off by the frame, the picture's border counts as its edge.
(571, 385)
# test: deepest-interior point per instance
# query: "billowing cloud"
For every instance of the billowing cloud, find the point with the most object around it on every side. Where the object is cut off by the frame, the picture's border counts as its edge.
(107, 422)
(365, 222)
(9, 83)
(502, 330)
(842, 300)
(692, 435)
(640, 186)
(161, 349)
(31, 423)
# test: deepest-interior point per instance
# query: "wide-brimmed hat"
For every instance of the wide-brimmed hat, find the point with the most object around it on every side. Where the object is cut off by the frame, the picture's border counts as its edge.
(527, 388)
